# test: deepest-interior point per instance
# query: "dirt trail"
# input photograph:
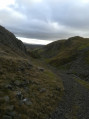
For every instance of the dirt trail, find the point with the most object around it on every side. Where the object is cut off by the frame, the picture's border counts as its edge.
(75, 102)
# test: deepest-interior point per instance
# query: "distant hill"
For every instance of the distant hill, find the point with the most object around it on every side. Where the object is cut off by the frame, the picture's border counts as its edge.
(33, 46)
(70, 54)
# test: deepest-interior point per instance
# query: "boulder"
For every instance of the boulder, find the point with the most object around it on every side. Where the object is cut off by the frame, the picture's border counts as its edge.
(42, 90)
(7, 38)
(41, 69)
(19, 95)
(27, 101)
(17, 83)
(9, 86)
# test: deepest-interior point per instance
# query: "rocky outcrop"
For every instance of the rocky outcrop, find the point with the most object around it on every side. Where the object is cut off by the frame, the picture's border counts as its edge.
(8, 39)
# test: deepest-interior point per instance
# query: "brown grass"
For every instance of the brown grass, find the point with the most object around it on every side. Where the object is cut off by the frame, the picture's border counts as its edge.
(42, 103)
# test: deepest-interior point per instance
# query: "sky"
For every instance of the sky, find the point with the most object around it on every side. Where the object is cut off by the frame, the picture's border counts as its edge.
(44, 21)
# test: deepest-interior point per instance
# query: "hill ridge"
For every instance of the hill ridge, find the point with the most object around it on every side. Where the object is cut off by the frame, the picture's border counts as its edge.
(8, 39)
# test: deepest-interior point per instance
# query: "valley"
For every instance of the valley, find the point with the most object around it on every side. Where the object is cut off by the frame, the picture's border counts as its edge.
(27, 90)
(74, 103)
(44, 82)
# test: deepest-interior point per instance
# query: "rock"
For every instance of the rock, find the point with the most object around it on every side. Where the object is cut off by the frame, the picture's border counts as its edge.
(10, 108)
(25, 83)
(11, 113)
(58, 88)
(7, 117)
(17, 82)
(27, 101)
(1, 93)
(26, 89)
(40, 69)
(18, 116)
(1, 72)
(7, 38)
(21, 83)
(6, 98)
(21, 68)
(19, 95)
(42, 90)
(9, 86)
(29, 66)
(20, 102)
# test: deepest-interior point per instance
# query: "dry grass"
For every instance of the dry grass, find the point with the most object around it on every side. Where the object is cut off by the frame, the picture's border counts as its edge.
(43, 103)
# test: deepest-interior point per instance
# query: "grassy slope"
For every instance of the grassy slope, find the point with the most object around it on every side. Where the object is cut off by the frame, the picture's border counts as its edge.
(15, 68)
(62, 52)
(82, 82)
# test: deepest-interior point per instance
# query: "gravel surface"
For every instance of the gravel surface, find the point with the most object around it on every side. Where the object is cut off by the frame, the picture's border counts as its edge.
(75, 101)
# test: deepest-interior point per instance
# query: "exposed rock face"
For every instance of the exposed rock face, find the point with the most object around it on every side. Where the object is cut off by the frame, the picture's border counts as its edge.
(7, 38)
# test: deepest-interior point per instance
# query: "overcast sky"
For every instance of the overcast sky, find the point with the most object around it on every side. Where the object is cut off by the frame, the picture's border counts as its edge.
(45, 20)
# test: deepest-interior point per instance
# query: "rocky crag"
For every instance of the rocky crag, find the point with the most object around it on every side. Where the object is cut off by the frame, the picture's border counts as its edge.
(8, 39)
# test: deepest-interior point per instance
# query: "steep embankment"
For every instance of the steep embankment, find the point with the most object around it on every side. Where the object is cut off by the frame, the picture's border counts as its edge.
(71, 55)
(26, 90)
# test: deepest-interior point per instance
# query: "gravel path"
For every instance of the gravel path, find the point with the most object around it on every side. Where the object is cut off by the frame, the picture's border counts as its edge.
(75, 102)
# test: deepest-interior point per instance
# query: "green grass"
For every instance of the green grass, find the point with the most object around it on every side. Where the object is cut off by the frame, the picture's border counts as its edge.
(63, 52)
(82, 82)
(86, 58)
(83, 46)
(65, 67)
(63, 58)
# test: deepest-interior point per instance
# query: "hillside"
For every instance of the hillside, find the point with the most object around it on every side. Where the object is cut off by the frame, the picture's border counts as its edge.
(69, 59)
(12, 44)
(26, 89)
(71, 55)
(44, 82)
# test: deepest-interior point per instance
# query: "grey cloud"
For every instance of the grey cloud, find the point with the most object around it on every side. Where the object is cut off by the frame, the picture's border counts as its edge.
(47, 19)
(72, 14)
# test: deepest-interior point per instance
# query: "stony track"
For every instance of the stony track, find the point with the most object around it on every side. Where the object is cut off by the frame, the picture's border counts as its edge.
(75, 101)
